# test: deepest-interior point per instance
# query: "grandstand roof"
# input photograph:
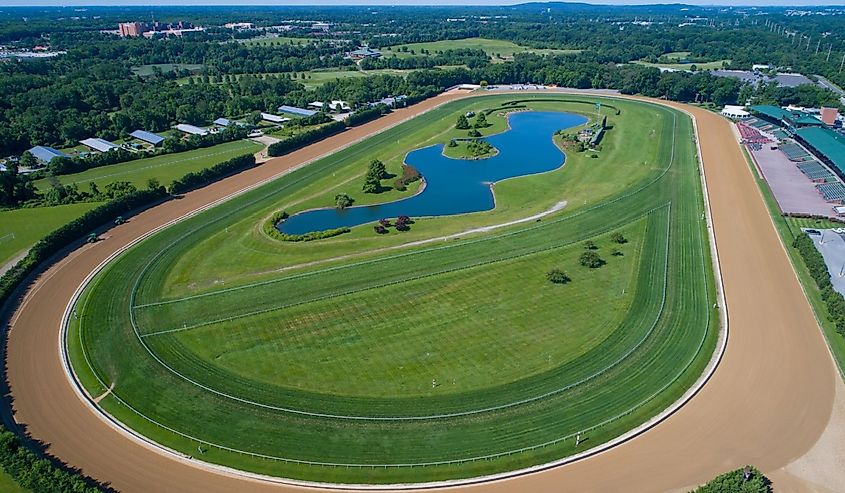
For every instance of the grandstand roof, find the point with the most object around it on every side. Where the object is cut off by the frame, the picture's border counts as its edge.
(46, 154)
(790, 117)
(147, 137)
(99, 144)
(293, 110)
(223, 122)
(827, 142)
(774, 112)
(191, 129)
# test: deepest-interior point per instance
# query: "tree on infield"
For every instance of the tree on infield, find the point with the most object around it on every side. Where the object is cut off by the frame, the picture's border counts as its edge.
(462, 123)
(372, 181)
(342, 201)
(558, 276)
(618, 238)
(591, 259)
(377, 168)
(590, 245)
(481, 121)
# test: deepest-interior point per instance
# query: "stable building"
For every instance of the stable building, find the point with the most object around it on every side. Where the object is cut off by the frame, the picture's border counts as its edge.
(191, 129)
(293, 110)
(148, 137)
(46, 154)
(99, 145)
(269, 117)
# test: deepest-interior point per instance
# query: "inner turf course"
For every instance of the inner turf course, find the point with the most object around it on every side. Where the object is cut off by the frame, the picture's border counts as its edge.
(153, 357)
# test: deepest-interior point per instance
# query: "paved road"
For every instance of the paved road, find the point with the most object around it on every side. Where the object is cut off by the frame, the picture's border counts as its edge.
(767, 404)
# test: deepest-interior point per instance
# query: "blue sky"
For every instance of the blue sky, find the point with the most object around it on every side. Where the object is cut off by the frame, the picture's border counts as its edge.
(400, 2)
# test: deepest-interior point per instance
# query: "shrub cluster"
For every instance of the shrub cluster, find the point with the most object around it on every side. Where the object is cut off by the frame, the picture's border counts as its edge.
(409, 175)
(74, 230)
(818, 270)
(35, 473)
(314, 235)
(745, 480)
(272, 221)
(303, 139)
(193, 180)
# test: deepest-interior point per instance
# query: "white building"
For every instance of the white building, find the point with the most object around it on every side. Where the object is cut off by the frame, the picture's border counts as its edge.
(735, 112)
(191, 130)
(99, 144)
(269, 117)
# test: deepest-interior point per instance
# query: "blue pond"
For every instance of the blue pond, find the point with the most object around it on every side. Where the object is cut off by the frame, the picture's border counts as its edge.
(457, 186)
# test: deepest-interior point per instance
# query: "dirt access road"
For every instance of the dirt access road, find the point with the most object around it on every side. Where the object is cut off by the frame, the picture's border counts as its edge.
(767, 404)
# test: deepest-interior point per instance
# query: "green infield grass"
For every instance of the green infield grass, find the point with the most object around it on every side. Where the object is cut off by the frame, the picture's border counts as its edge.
(359, 360)
(165, 168)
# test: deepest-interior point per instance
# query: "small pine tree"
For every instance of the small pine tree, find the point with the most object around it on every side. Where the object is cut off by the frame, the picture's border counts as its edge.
(462, 123)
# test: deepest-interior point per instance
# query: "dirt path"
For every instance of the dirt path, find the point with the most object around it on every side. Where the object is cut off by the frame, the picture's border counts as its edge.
(767, 403)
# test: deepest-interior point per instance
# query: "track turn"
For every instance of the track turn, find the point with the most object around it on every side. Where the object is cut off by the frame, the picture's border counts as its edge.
(767, 404)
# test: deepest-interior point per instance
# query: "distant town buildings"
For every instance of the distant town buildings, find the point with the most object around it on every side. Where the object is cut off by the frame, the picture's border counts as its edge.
(239, 26)
(135, 29)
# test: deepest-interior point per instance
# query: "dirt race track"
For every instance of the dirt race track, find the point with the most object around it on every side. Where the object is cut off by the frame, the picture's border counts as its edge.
(768, 404)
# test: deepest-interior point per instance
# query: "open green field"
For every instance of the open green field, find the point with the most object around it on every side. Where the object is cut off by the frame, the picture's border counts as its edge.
(677, 56)
(165, 168)
(357, 359)
(496, 48)
(21, 228)
(9, 485)
(147, 70)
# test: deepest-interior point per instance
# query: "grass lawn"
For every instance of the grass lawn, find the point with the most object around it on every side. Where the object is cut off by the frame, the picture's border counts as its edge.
(496, 48)
(21, 228)
(164, 168)
(714, 65)
(432, 354)
(147, 70)
(8, 484)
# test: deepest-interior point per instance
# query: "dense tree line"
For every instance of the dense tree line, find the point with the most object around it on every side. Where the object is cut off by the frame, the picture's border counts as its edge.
(35, 473)
(196, 179)
(302, 139)
(74, 231)
(815, 263)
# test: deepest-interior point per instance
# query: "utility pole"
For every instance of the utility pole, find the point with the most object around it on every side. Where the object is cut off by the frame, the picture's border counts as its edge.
(842, 63)
(817, 46)
(829, 47)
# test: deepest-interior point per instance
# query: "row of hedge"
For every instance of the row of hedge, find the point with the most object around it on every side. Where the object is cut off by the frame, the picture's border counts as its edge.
(815, 263)
(73, 231)
(23, 465)
(305, 138)
(35, 473)
(314, 235)
(363, 116)
(194, 180)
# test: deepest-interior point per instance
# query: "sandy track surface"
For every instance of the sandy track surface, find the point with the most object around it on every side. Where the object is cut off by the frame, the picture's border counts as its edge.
(767, 404)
